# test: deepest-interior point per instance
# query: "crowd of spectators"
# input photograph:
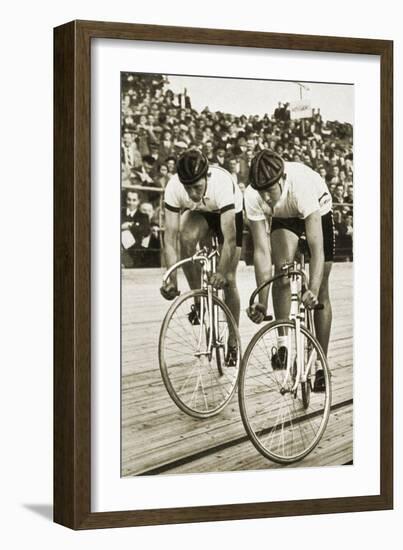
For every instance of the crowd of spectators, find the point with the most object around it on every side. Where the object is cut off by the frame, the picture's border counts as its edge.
(158, 125)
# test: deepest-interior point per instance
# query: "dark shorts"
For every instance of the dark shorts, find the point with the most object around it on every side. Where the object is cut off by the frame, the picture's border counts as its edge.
(214, 223)
(297, 226)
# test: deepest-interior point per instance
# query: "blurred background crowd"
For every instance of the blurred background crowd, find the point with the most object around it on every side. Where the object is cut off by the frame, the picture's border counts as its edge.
(157, 125)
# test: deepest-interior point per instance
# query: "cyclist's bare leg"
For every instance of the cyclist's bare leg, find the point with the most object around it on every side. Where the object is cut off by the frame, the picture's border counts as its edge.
(284, 245)
(231, 293)
(323, 317)
(193, 229)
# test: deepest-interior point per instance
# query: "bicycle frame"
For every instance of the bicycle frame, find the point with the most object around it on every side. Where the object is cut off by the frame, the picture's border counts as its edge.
(299, 314)
(208, 260)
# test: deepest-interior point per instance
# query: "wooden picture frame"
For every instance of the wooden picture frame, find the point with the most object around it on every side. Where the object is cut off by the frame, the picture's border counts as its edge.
(72, 274)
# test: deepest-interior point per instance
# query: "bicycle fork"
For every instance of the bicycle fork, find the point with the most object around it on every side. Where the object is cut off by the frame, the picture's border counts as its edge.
(206, 308)
(209, 308)
(296, 371)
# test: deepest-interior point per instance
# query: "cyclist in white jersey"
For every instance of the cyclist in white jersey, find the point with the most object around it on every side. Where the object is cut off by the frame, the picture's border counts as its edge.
(292, 200)
(201, 199)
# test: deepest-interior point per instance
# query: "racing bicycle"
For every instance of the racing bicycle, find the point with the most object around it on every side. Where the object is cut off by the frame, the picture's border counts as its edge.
(284, 418)
(194, 343)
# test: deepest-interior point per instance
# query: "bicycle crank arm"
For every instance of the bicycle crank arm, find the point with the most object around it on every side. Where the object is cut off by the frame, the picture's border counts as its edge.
(283, 391)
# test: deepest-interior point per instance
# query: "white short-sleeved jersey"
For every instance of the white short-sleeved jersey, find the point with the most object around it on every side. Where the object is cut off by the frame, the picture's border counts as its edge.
(221, 194)
(304, 192)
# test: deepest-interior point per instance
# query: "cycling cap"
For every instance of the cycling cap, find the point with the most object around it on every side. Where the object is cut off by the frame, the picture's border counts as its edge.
(191, 166)
(266, 169)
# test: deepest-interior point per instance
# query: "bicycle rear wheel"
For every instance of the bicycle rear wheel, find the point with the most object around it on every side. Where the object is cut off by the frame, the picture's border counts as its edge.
(283, 425)
(198, 379)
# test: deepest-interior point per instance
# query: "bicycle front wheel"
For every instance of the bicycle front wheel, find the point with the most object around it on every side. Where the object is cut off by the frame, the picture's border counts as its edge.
(283, 418)
(193, 353)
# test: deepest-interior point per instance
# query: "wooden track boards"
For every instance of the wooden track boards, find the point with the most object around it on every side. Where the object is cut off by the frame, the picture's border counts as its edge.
(158, 438)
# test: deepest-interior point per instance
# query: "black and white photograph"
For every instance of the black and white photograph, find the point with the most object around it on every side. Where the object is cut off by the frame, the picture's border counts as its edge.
(236, 250)
(199, 346)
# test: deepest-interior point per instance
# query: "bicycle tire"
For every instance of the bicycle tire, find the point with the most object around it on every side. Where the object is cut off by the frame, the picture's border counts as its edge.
(259, 393)
(204, 401)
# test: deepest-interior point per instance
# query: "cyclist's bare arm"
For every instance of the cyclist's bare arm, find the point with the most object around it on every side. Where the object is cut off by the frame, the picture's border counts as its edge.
(172, 224)
(228, 228)
(261, 257)
(314, 237)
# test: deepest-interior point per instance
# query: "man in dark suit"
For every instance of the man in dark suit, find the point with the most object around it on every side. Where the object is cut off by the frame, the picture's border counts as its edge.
(135, 227)
(219, 158)
(278, 112)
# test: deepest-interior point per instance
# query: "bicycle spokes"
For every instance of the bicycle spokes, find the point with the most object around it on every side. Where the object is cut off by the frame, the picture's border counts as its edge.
(284, 419)
(192, 356)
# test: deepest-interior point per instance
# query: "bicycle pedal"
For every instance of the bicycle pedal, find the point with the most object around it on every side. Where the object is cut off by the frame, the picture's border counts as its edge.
(194, 315)
(319, 385)
(279, 358)
(231, 359)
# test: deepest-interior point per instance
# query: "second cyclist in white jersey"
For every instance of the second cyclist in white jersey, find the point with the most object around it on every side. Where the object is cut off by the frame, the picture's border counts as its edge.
(290, 199)
(201, 199)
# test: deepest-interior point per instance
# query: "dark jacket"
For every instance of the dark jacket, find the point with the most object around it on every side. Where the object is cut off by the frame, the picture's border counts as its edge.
(140, 227)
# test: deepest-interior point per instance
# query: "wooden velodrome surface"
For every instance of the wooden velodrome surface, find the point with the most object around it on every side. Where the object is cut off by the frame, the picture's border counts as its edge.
(158, 438)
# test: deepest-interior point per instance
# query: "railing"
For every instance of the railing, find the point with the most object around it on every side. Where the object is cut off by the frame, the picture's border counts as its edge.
(142, 188)
(342, 253)
(160, 190)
